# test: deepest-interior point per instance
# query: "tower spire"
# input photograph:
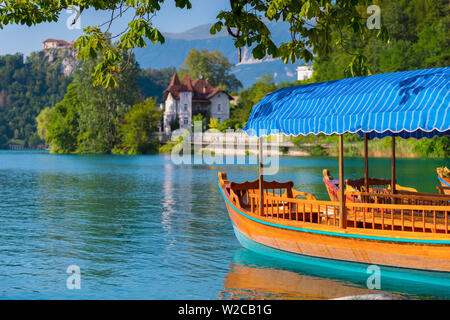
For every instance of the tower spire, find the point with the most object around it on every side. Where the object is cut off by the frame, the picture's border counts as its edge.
(175, 81)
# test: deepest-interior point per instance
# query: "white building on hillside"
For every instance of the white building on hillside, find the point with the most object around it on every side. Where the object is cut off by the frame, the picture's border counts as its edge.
(304, 73)
(53, 43)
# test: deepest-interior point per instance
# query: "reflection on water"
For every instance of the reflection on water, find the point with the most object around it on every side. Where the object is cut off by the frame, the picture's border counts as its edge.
(255, 276)
(143, 228)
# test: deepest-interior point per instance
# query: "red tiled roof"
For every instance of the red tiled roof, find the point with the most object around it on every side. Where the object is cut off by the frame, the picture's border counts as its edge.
(202, 90)
(215, 91)
(175, 81)
(202, 86)
(175, 87)
(187, 83)
(63, 42)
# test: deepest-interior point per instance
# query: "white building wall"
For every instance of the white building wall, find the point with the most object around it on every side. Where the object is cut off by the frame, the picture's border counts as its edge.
(185, 110)
(170, 104)
(220, 107)
(304, 73)
(49, 45)
(169, 112)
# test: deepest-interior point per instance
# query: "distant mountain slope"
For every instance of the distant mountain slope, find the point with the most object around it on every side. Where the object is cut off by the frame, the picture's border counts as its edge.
(196, 33)
(174, 51)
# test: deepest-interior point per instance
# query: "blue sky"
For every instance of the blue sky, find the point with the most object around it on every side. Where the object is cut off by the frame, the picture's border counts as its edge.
(18, 38)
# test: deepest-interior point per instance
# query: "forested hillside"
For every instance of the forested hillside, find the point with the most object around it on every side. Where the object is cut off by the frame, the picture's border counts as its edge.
(152, 82)
(419, 33)
(29, 85)
(419, 38)
(26, 87)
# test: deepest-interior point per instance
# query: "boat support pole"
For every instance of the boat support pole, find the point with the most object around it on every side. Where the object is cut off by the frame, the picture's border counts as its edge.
(366, 163)
(393, 166)
(342, 218)
(261, 191)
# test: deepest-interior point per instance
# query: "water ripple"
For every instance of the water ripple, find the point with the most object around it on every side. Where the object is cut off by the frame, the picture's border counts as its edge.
(138, 227)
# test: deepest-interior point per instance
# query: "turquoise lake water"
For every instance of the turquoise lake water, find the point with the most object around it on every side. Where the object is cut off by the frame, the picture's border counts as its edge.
(140, 227)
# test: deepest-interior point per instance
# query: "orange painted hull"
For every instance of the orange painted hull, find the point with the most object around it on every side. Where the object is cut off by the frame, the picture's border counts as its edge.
(446, 183)
(374, 247)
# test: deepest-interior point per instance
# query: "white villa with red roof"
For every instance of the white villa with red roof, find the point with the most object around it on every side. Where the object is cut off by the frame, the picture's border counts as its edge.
(187, 99)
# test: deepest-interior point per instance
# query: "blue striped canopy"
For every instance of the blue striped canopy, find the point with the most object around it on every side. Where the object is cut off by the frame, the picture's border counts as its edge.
(406, 104)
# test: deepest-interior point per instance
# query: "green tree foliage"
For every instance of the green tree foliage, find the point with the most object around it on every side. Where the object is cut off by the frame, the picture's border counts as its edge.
(231, 123)
(137, 127)
(204, 121)
(60, 124)
(214, 124)
(212, 66)
(247, 99)
(28, 87)
(418, 39)
(170, 145)
(433, 148)
(100, 120)
(153, 82)
(102, 108)
(25, 89)
(245, 21)
(42, 121)
(418, 31)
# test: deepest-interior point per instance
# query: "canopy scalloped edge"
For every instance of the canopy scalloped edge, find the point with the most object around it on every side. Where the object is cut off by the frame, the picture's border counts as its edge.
(407, 104)
(405, 134)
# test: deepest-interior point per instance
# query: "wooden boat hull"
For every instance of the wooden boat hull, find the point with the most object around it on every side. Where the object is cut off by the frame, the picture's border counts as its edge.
(445, 183)
(325, 242)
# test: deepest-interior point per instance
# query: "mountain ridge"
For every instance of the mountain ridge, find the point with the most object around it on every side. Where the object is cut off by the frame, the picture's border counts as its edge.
(177, 45)
(199, 32)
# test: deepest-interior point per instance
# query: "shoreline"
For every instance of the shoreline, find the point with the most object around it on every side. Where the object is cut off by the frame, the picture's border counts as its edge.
(296, 153)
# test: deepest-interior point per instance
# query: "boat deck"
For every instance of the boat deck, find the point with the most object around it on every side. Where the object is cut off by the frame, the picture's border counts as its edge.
(400, 220)
(426, 213)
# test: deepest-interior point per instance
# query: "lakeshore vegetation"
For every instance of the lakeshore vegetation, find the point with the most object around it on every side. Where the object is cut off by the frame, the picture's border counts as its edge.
(38, 103)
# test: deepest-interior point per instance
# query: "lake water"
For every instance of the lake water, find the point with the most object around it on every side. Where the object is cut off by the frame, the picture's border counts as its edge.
(140, 227)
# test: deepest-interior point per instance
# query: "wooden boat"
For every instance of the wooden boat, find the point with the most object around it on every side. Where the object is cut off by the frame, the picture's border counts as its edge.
(398, 228)
(445, 185)
(444, 188)
(378, 186)
(407, 236)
